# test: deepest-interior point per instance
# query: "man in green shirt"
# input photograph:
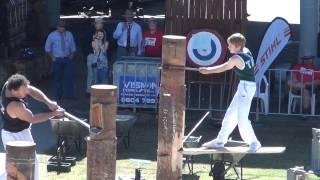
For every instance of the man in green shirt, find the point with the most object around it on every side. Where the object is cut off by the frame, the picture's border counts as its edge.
(238, 111)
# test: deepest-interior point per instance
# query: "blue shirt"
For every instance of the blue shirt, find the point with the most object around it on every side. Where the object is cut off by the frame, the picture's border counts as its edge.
(53, 44)
(135, 35)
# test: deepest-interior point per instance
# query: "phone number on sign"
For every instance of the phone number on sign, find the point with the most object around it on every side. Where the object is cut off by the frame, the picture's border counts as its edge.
(138, 100)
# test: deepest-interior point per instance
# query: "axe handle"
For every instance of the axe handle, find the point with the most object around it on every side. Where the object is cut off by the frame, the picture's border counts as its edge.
(191, 69)
(179, 68)
(72, 117)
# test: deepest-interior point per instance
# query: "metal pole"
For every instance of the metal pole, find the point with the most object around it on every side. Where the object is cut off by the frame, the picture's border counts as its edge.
(196, 126)
(309, 23)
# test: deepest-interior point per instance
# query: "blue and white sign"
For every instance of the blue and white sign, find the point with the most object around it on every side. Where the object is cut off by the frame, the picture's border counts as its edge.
(205, 48)
(138, 90)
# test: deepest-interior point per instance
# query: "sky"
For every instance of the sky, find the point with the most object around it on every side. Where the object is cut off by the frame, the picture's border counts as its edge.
(267, 10)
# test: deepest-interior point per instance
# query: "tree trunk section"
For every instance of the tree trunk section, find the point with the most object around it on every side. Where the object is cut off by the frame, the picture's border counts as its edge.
(102, 142)
(171, 109)
(20, 160)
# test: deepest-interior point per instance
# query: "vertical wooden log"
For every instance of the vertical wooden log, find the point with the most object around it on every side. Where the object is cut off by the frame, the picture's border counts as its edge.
(102, 143)
(172, 109)
(20, 160)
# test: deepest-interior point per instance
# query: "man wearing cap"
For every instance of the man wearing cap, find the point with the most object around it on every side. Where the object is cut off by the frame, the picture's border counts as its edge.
(60, 46)
(304, 77)
(152, 40)
(129, 36)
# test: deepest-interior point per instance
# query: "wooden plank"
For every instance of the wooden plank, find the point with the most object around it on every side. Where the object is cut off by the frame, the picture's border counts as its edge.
(244, 12)
(214, 9)
(233, 150)
(209, 11)
(244, 17)
(193, 16)
(232, 15)
(168, 9)
(174, 17)
(213, 12)
(203, 5)
(232, 8)
(180, 17)
(192, 9)
(219, 9)
(197, 9)
(168, 17)
(238, 9)
(168, 26)
(185, 17)
(226, 10)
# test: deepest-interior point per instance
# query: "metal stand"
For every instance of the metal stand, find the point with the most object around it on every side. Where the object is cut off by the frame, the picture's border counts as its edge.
(139, 162)
(60, 162)
(137, 174)
(220, 164)
(189, 161)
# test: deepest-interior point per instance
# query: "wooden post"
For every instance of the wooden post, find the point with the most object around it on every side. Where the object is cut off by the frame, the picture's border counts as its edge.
(20, 160)
(171, 109)
(102, 143)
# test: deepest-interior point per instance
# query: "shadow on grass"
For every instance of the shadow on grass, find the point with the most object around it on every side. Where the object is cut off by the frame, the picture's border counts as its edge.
(190, 177)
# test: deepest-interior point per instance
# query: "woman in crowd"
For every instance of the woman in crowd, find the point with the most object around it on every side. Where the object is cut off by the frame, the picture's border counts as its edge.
(97, 61)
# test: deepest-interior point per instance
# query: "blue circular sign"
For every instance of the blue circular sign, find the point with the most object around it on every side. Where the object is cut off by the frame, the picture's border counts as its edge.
(205, 48)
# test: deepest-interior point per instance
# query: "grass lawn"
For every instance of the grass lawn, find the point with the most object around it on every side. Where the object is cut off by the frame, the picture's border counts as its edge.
(292, 132)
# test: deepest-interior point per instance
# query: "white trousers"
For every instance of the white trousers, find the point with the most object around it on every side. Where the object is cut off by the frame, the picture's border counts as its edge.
(237, 114)
(24, 135)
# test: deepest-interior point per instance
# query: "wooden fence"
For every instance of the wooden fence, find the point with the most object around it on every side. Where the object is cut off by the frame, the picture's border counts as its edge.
(224, 16)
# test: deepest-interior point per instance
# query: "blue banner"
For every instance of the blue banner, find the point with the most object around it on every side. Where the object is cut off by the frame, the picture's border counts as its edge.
(138, 90)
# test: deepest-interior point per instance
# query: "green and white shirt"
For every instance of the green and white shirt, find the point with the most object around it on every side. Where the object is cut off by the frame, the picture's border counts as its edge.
(247, 73)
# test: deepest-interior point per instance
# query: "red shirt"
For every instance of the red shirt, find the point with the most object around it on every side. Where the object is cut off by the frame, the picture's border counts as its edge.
(152, 44)
(306, 72)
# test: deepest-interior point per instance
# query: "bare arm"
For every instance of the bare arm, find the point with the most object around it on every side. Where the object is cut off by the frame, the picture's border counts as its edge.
(38, 95)
(232, 62)
(19, 110)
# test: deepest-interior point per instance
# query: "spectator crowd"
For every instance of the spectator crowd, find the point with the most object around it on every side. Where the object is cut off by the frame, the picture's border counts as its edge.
(130, 41)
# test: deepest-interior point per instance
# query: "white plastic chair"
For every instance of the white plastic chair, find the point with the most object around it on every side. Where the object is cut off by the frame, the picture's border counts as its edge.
(263, 94)
(294, 98)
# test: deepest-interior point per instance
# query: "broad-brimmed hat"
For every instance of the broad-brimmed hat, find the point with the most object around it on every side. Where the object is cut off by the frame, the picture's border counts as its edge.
(61, 23)
(99, 20)
(152, 19)
(128, 13)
